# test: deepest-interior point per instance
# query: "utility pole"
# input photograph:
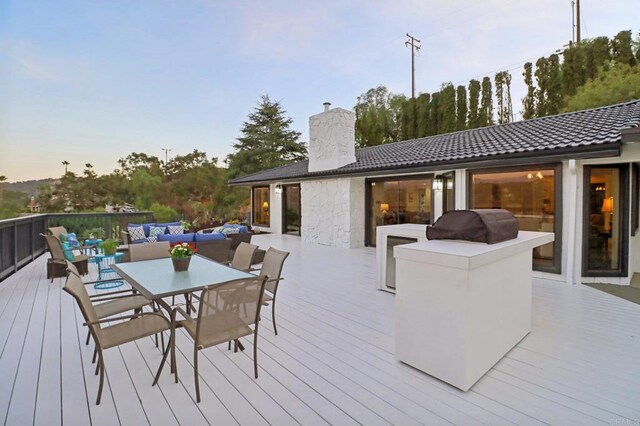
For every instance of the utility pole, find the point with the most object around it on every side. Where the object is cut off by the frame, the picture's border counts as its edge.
(578, 21)
(166, 155)
(415, 47)
(573, 22)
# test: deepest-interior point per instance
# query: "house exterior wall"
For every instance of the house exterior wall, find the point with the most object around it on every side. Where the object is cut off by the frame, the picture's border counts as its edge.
(333, 212)
(331, 139)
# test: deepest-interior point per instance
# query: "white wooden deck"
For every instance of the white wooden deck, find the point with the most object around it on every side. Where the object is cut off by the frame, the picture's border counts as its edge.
(332, 362)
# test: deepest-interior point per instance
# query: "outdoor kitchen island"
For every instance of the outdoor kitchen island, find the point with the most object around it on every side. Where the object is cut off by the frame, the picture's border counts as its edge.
(461, 306)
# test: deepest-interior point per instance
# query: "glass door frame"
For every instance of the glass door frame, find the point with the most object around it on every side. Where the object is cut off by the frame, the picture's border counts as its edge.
(284, 208)
(623, 222)
(367, 200)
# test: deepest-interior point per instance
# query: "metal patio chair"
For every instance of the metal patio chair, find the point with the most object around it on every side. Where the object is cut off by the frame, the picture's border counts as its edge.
(223, 320)
(131, 327)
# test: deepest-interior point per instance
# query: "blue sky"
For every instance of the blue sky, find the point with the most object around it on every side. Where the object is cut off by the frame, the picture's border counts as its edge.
(92, 81)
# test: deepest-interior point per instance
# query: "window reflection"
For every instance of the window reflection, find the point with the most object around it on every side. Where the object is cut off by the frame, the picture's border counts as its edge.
(261, 205)
(399, 201)
(528, 194)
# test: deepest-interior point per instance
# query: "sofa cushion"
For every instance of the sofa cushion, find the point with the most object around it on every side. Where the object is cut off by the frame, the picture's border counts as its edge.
(209, 237)
(240, 228)
(174, 239)
(175, 229)
(146, 227)
(170, 224)
(136, 233)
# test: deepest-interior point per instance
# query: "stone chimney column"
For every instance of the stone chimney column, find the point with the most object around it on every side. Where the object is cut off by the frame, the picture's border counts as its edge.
(331, 139)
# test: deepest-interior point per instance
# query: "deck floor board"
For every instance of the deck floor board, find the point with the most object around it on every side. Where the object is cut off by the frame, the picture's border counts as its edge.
(332, 362)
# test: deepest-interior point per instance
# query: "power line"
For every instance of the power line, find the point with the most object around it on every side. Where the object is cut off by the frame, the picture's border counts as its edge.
(166, 155)
(415, 47)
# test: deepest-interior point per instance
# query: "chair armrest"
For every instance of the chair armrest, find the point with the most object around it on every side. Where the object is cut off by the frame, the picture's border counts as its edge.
(133, 316)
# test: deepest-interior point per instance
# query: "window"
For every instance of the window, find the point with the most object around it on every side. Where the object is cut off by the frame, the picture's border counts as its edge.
(448, 193)
(398, 200)
(532, 195)
(260, 206)
(635, 194)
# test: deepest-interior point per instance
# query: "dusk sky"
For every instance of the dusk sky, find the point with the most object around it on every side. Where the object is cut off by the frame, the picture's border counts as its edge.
(93, 81)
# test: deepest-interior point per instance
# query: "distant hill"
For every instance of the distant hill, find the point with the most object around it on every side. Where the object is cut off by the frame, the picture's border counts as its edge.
(29, 187)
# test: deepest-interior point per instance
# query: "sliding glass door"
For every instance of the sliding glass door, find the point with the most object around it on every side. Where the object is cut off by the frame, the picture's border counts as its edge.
(291, 209)
(605, 221)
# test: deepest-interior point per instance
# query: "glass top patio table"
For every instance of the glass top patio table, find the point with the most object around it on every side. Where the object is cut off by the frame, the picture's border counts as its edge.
(156, 278)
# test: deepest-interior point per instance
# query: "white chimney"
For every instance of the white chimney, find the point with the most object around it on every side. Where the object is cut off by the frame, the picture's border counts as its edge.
(331, 139)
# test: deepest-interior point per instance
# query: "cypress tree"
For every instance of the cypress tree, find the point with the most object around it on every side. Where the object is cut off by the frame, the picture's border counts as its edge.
(474, 103)
(529, 101)
(424, 101)
(448, 107)
(503, 95)
(409, 119)
(573, 69)
(461, 108)
(597, 55)
(486, 103)
(621, 49)
(541, 92)
(435, 116)
(554, 85)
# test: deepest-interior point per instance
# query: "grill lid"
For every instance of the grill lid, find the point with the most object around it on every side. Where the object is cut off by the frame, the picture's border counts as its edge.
(482, 225)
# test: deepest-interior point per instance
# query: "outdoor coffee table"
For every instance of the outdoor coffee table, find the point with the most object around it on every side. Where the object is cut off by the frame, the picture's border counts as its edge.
(155, 279)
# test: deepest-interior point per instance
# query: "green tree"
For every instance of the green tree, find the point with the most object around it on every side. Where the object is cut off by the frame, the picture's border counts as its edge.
(65, 163)
(474, 104)
(619, 84)
(377, 117)
(529, 101)
(267, 141)
(448, 107)
(597, 55)
(409, 119)
(574, 69)
(485, 116)
(503, 95)
(541, 93)
(13, 203)
(461, 108)
(554, 85)
(3, 179)
(146, 188)
(424, 112)
(622, 50)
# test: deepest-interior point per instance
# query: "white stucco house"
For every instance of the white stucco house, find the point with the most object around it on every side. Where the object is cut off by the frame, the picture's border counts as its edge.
(574, 174)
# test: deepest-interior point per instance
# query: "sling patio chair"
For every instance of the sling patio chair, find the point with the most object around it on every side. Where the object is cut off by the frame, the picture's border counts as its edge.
(220, 321)
(112, 303)
(272, 268)
(243, 257)
(148, 251)
(58, 257)
(131, 327)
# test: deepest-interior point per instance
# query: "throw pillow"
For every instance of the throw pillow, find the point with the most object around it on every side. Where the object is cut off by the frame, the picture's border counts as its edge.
(68, 254)
(228, 231)
(72, 239)
(175, 229)
(136, 233)
(154, 231)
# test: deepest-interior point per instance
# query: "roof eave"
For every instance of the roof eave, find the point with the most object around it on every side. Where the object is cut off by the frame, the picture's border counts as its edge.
(520, 158)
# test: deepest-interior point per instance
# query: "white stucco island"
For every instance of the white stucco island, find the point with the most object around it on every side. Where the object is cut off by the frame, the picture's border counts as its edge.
(461, 306)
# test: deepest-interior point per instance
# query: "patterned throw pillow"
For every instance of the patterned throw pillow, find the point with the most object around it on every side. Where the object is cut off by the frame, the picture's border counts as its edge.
(154, 231)
(228, 231)
(68, 254)
(136, 233)
(176, 230)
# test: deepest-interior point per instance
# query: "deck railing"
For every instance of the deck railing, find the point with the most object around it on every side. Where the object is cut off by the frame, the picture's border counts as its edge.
(20, 240)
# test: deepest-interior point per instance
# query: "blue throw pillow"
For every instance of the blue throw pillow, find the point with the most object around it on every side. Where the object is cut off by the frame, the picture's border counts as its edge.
(72, 239)
(178, 238)
(210, 237)
(68, 254)
(146, 227)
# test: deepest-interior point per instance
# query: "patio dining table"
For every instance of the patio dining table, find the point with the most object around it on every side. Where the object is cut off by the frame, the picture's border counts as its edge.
(155, 279)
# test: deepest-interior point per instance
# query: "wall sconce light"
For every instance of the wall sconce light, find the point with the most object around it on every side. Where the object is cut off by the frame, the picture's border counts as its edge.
(437, 183)
(384, 208)
(278, 189)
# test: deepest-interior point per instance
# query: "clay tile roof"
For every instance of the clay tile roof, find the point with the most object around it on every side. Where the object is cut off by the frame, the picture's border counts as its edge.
(591, 130)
